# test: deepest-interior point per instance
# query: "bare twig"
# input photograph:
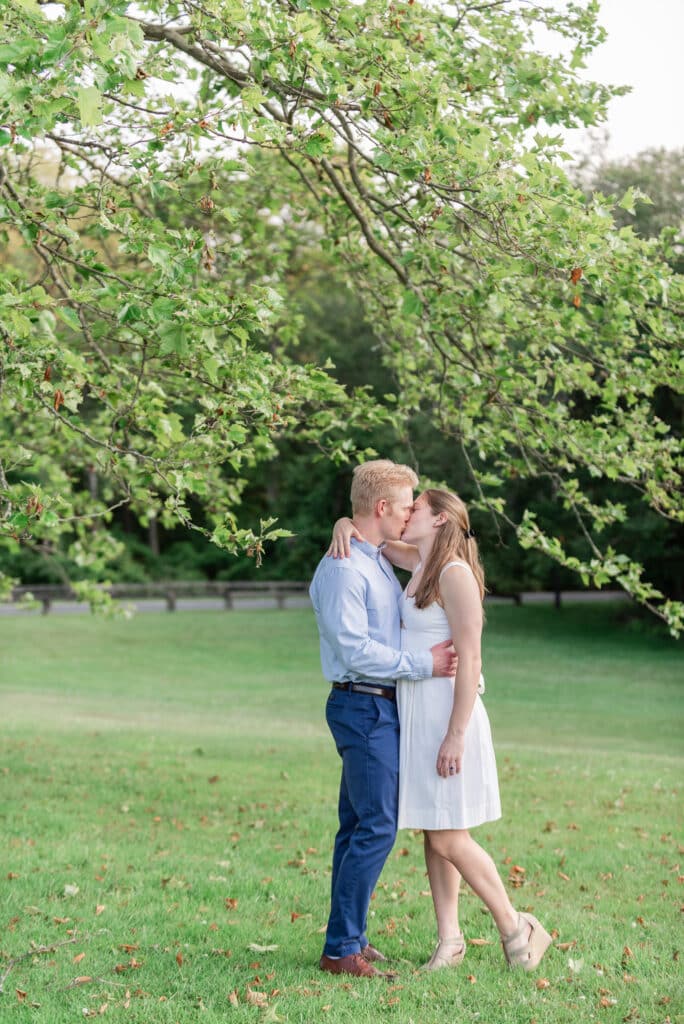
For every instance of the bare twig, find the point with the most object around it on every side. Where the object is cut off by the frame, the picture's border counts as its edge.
(36, 951)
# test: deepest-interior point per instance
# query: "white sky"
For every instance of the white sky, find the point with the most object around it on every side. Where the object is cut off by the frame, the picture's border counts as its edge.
(644, 49)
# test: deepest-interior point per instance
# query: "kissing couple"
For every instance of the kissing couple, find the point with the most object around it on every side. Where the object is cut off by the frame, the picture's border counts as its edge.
(406, 713)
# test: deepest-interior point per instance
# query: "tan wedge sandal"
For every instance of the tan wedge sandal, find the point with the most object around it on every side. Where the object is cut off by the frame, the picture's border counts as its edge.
(526, 954)
(448, 953)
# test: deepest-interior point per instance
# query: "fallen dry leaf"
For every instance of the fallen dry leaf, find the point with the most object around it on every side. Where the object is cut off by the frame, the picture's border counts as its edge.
(77, 959)
(480, 942)
(543, 983)
(566, 878)
(471, 978)
(231, 903)
(132, 965)
(83, 979)
(566, 945)
(256, 998)
(179, 958)
(233, 998)
(21, 995)
(98, 909)
(516, 877)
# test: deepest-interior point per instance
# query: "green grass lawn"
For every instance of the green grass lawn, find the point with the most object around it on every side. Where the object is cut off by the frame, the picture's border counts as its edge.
(168, 803)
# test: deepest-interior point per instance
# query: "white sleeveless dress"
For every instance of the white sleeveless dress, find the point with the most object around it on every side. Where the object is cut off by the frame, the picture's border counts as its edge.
(426, 800)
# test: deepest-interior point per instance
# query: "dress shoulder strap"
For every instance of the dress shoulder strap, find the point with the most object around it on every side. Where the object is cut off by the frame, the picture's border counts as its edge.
(463, 565)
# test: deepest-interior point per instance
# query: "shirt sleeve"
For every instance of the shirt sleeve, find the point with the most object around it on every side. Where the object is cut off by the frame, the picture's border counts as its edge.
(343, 618)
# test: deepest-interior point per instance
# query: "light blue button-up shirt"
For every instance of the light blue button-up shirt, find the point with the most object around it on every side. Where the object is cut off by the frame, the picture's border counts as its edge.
(356, 601)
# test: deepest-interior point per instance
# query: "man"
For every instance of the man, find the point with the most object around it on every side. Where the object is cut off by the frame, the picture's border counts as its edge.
(356, 605)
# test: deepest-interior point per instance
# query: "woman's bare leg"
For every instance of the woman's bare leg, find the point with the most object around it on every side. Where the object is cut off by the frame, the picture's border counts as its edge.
(478, 869)
(445, 883)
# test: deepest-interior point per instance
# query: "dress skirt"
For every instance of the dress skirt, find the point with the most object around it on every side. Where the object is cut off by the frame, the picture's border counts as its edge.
(426, 800)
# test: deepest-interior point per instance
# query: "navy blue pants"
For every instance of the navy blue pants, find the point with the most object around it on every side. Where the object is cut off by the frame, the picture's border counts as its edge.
(366, 734)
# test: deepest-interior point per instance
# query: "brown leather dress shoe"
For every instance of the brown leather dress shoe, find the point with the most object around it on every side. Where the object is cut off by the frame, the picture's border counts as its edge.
(353, 964)
(373, 955)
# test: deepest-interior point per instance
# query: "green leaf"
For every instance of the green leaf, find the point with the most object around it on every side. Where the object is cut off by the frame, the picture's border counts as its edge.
(411, 304)
(160, 256)
(70, 317)
(17, 52)
(627, 201)
(89, 105)
(129, 313)
(173, 339)
(31, 8)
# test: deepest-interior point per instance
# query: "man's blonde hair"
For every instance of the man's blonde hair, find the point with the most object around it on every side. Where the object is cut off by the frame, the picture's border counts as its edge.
(376, 480)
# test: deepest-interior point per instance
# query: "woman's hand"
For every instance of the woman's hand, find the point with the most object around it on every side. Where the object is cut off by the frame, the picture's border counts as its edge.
(343, 531)
(450, 756)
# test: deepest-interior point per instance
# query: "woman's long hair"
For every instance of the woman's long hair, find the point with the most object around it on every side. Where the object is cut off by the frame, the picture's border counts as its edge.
(454, 540)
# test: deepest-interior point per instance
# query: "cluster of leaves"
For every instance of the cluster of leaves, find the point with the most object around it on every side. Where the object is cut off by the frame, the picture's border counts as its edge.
(135, 362)
(145, 321)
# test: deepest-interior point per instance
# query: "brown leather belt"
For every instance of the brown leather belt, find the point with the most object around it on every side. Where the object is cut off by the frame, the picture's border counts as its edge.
(374, 691)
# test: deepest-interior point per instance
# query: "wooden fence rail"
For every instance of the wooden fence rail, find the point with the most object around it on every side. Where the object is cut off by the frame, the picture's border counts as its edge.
(171, 591)
(277, 590)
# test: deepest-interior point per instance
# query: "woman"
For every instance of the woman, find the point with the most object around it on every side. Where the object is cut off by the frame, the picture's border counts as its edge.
(447, 777)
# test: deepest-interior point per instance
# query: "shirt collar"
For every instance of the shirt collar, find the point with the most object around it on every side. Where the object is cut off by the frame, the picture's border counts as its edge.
(368, 549)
